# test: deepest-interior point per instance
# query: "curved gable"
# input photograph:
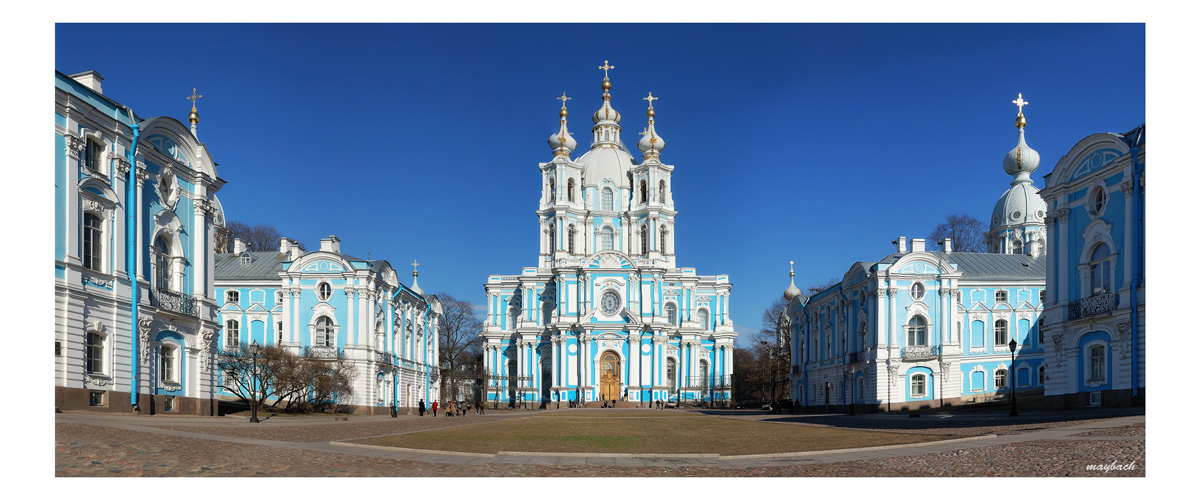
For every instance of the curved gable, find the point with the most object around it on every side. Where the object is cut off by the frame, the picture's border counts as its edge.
(1093, 153)
(920, 263)
(174, 140)
(320, 262)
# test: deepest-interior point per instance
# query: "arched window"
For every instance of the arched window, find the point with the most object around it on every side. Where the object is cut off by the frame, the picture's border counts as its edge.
(645, 241)
(642, 188)
(702, 318)
(1018, 247)
(570, 189)
(553, 191)
(93, 242)
(917, 386)
(671, 312)
(1001, 333)
(162, 264)
(571, 238)
(662, 191)
(606, 199)
(606, 238)
(1001, 377)
(94, 356)
(662, 241)
(231, 334)
(324, 332)
(918, 331)
(703, 373)
(1101, 265)
(862, 335)
(550, 234)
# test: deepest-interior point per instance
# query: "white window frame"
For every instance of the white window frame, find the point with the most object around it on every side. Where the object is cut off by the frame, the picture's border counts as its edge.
(912, 381)
(918, 331)
(232, 334)
(330, 332)
(608, 238)
(1001, 296)
(92, 251)
(1089, 367)
(917, 291)
(91, 364)
(671, 311)
(324, 291)
(997, 373)
(169, 362)
(1000, 326)
(607, 199)
(232, 297)
(702, 317)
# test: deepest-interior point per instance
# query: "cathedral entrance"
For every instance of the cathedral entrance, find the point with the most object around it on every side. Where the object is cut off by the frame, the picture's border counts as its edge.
(610, 376)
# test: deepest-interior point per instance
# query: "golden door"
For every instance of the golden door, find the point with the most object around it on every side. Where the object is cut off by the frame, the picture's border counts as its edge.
(610, 376)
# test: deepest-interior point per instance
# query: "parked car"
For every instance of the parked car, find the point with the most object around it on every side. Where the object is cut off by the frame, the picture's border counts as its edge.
(766, 407)
(741, 405)
(779, 405)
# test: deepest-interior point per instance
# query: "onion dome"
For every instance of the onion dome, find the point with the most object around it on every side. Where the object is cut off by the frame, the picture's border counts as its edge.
(651, 143)
(791, 292)
(607, 129)
(1022, 160)
(562, 143)
(415, 287)
(1021, 205)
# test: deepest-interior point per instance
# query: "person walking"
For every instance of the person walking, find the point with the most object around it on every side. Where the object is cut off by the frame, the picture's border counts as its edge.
(421, 408)
(435, 408)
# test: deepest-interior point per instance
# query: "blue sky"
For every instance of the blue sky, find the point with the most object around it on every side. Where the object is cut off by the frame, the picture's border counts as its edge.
(818, 143)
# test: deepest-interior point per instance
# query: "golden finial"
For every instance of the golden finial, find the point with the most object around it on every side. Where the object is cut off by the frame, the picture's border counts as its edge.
(1021, 103)
(651, 98)
(606, 85)
(564, 99)
(792, 272)
(194, 117)
(414, 264)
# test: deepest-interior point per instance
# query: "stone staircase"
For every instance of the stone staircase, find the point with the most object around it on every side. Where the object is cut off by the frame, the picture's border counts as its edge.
(620, 404)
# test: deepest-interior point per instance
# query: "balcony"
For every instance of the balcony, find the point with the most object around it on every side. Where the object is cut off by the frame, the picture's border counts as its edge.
(383, 358)
(920, 351)
(173, 301)
(1097, 304)
(324, 352)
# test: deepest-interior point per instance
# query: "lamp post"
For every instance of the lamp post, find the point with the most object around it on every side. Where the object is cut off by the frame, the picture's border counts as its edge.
(254, 383)
(1012, 349)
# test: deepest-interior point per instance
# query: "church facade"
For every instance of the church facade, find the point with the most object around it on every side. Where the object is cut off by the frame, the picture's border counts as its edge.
(135, 209)
(923, 328)
(333, 306)
(1096, 313)
(607, 314)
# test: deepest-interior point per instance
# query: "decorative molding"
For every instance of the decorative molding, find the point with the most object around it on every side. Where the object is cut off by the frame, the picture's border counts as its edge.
(122, 165)
(97, 379)
(75, 145)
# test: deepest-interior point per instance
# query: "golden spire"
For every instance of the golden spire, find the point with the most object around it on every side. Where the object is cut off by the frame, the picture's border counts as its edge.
(194, 117)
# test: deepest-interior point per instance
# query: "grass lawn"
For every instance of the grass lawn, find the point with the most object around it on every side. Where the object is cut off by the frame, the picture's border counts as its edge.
(642, 432)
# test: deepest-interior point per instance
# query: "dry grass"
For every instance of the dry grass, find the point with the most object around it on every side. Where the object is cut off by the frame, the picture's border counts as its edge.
(643, 432)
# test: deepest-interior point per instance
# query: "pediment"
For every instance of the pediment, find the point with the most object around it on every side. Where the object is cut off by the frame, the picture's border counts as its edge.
(609, 260)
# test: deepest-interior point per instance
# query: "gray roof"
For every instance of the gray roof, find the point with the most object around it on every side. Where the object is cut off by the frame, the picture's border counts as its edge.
(994, 266)
(263, 265)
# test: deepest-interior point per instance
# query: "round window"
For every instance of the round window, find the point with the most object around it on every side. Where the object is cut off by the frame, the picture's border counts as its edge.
(610, 302)
(324, 291)
(1016, 215)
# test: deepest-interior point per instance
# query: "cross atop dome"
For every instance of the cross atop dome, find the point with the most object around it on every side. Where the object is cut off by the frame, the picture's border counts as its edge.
(606, 67)
(564, 99)
(1020, 102)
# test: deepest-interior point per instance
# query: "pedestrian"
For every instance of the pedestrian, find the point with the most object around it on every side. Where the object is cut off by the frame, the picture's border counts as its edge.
(421, 407)
(464, 410)
(435, 408)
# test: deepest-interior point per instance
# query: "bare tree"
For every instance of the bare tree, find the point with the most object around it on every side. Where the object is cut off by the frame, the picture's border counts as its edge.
(815, 289)
(300, 383)
(458, 343)
(966, 233)
(258, 238)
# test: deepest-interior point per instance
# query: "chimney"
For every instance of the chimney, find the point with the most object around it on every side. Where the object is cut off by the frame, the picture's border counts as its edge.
(291, 248)
(918, 244)
(238, 246)
(89, 79)
(331, 244)
(946, 245)
(901, 244)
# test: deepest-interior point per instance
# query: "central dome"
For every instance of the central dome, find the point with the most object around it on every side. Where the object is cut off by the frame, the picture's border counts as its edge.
(606, 163)
(1021, 205)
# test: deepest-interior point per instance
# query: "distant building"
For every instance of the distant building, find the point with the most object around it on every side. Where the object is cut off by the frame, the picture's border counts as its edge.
(605, 313)
(919, 328)
(135, 208)
(330, 305)
(1096, 315)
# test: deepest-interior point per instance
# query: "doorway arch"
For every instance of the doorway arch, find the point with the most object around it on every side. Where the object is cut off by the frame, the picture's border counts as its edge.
(610, 376)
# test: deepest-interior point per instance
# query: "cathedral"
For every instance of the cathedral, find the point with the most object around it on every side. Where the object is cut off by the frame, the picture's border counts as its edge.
(607, 315)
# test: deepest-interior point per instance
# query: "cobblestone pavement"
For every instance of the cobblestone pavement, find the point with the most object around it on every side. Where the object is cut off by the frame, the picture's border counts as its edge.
(92, 445)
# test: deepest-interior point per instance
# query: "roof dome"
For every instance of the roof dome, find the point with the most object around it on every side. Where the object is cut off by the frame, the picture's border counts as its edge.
(791, 292)
(651, 144)
(606, 163)
(1021, 205)
(562, 143)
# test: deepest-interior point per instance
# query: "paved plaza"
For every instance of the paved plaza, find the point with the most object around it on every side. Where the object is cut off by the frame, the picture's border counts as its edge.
(1037, 443)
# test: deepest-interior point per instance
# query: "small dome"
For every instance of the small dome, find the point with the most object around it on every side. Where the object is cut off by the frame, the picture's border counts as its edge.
(1022, 160)
(791, 292)
(651, 144)
(1021, 205)
(562, 143)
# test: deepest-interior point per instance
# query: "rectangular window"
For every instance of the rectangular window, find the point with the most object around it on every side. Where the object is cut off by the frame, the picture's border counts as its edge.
(169, 403)
(1001, 378)
(232, 297)
(1001, 296)
(278, 297)
(92, 155)
(92, 242)
(95, 353)
(918, 386)
(231, 334)
(96, 398)
(168, 363)
(279, 332)
(1042, 296)
(1001, 333)
(57, 348)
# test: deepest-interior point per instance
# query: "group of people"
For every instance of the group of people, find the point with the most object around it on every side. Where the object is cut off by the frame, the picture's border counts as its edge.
(452, 410)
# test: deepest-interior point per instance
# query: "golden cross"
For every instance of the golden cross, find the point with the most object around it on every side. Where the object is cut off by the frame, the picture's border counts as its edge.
(193, 97)
(564, 99)
(650, 98)
(606, 67)
(1020, 103)
(414, 264)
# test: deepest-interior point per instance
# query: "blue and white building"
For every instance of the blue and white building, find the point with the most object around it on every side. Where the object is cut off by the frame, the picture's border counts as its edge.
(330, 305)
(135, 209)
(922, 328)
(1095, 317)
(606, 313)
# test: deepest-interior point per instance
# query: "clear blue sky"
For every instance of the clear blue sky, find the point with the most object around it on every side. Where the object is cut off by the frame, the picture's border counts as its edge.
(818, 143)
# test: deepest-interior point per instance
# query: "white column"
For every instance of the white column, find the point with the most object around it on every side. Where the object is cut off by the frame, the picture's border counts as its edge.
(1064, 241)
